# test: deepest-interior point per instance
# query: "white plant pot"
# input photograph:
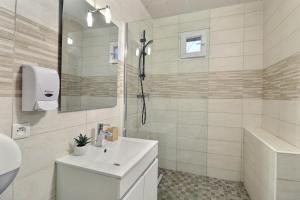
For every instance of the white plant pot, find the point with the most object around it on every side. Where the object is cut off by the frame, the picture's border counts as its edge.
(79, 151)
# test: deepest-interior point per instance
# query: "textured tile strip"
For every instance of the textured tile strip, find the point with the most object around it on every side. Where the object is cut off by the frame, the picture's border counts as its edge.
(281, 81)
(253, 84)
(34, 44)
(70, 85)
(7, 34)
(216, 85)
(226, 85)
(99, 86)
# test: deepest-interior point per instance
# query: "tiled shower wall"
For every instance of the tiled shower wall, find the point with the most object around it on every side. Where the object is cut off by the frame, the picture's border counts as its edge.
(281, 105)
(197, 107)
(281, 114)
(29, 35)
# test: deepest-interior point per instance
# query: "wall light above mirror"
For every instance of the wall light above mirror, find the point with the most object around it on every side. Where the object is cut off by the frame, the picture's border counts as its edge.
(105, 11)
(88, 57)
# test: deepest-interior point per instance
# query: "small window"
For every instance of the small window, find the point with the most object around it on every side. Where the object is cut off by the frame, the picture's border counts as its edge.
(193, 44)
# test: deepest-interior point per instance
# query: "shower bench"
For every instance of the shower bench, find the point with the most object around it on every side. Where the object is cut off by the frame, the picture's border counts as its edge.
(271, 166)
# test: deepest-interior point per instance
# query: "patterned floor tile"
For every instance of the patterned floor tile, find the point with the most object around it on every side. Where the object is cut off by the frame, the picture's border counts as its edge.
(176, 185)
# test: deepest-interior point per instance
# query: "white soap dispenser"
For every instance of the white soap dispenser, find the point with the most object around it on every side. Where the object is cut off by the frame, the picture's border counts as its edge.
(40, 88)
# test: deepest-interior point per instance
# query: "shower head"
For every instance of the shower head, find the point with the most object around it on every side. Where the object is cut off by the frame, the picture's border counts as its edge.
(148, 43)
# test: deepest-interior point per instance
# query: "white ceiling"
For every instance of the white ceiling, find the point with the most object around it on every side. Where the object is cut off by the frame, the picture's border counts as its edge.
(164, 8)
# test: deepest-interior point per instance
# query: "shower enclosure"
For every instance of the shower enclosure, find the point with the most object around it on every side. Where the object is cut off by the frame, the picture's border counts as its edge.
(175, 92)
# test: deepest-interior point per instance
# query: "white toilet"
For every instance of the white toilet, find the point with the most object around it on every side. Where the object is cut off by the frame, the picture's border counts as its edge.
(10, 161)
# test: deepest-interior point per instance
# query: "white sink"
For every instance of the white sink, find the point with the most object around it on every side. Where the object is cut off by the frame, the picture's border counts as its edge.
(10, 159)
(122, 162)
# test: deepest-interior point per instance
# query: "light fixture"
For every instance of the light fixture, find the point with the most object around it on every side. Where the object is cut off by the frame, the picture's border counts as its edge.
(148, 50)
(137, 52)
(90, 19)
(106, 13)
(69, 41)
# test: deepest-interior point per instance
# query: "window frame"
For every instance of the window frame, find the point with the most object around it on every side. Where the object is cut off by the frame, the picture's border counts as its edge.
(203, 34)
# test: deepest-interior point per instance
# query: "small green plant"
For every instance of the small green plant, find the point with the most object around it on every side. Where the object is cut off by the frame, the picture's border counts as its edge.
(82, 140)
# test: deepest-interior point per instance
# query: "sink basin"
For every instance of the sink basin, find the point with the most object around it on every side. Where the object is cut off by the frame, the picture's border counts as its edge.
(114, 158)
(115, 167)
(10, 158)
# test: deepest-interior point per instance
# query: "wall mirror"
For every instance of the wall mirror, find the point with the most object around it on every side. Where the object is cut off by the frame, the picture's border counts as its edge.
(88, 57)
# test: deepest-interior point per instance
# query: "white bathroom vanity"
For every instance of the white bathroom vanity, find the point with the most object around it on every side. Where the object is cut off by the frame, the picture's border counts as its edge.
(126, 169)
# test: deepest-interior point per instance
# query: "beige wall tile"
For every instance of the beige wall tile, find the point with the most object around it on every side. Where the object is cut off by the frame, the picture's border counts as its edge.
(166, 152)
(254, 6)
(159, 103)
(225, 133)
(224, 162)
(194, 26)
(227, 11)
(39, 121)
(165, 21)
(225, 106)
(252, 120)
(192, 118)
(165, 31)
(225, 119)
(253, 47)
(8, 4)
(191, 157)
(192, 144)
(166, 43)
(167, 164)
(253, 19)
(195, 16)
(192, 168)
(289, 132)
(252, 106)
(226, 36)
(192, 131)
(42, 12)
(253, 62)
(192, 105)
(289, 111)
(224, 174)
(224, 148)
(254, 33)
(226, 50)
(37, 186)
(226, 64)
(229, 22)
(6, 115)
(288, 190)
(40, 151)
(288, 167)
(193, 65)
(270, 124)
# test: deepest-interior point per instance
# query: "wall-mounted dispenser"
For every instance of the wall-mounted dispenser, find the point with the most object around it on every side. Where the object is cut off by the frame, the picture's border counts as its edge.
(40, 88)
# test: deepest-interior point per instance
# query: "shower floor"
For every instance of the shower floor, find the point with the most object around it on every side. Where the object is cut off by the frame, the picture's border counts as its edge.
(176, 185)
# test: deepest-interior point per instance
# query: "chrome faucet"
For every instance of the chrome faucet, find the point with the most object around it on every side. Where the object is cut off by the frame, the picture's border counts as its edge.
(101, 134)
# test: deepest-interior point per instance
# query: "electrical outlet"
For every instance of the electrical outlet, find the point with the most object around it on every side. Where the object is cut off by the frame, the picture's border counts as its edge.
(21, 131)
